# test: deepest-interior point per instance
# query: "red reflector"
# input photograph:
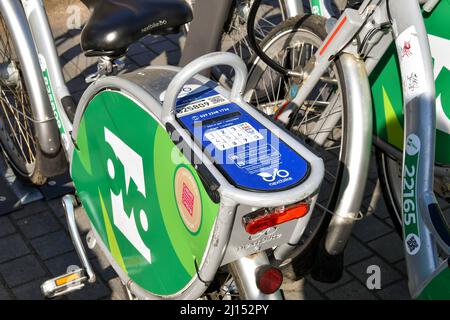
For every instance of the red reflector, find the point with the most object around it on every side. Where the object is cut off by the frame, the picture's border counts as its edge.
(264, 219)
(268, 279)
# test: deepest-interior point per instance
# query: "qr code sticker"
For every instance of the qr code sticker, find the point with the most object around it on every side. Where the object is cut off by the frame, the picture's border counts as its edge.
(217, 99)
(412, 242)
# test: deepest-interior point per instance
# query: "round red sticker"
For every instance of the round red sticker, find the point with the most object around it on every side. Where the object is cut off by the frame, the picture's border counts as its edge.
(188, 199)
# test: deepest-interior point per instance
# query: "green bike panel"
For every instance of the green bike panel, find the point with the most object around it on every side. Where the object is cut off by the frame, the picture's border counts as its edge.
(438, 288)
(124, 168)
(387, 89)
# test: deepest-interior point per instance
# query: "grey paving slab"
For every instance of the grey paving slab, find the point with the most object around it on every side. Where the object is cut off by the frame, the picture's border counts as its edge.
(388, 273)
(351, 291)
(370, 228)
(396, 291)
(401, 267)
(52, 244)
(31, 209)
(4, 295)
(6, 227)
(163, 46)
(355, 251)
(38, 224)
(143, 59)
(21, 270)
(389, 247)
(151, 40)
(58, 265)
(57, 207)
(95, 291)
(12, 247)
(136, 48)
(167, 58)
(389, 222)
(311, 293)
(324, 287)
(30, 290)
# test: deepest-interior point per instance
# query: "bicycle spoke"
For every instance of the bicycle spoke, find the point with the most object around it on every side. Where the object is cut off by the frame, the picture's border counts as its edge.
(15, 109)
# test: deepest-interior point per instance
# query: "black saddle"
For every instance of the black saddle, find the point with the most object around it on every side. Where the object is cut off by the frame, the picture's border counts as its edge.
(115, 24)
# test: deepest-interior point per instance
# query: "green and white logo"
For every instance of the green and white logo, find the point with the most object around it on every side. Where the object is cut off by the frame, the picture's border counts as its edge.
(410, 216)
(316, 7)
(134, 171)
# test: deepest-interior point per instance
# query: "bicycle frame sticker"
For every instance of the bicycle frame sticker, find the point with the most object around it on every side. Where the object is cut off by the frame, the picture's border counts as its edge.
(316, 7)
(411, 63)
(410, 216)
(188, 198)
(50, 93)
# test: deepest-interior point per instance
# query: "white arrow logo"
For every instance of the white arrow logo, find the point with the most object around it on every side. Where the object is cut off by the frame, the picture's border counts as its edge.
(134, 170)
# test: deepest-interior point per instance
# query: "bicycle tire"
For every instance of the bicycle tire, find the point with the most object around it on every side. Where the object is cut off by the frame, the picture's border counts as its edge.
(386, 177)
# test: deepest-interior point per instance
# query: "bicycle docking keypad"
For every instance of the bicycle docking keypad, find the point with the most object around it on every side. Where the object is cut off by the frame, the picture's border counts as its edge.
(248, 154)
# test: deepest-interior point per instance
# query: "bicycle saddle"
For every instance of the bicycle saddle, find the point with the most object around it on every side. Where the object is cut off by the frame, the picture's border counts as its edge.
(115, 24)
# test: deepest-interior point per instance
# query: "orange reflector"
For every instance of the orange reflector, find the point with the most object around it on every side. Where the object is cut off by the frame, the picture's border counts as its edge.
(66, 279)
(264, 218)
(268, 279)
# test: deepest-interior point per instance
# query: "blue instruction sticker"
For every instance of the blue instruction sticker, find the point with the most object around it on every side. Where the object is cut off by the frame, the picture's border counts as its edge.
(249, 155)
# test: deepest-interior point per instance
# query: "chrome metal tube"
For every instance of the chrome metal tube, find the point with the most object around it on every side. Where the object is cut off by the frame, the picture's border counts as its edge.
(356, 153)
(68, 205)
(46, 129)
(291, 8)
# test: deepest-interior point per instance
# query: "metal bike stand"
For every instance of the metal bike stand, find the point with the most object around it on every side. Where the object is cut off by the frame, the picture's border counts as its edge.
(14, 194)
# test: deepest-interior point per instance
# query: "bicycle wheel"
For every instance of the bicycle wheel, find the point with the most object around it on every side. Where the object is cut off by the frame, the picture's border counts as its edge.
(293, 44)
(234, 38)
(17, 136)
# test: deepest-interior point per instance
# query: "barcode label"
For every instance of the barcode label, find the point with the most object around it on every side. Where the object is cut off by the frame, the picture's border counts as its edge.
(202, 104)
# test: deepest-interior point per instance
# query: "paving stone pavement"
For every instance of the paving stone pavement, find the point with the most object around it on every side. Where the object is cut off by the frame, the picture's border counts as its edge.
(35, 244)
